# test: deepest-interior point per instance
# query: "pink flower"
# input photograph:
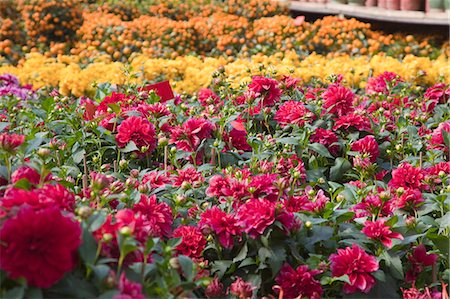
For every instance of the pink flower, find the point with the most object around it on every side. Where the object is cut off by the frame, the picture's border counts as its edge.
(238, 139)
(437, 138)
(293, 112)
(266, 88)
(407, 176)
(327, 138)
(215, 289)
(138, 130)
(192, 241)
(338, 100)
(9, 142)
(189, 175)
(299, 282)
(359, 122)
(414, 293)
(419, 259)
(263, 186)
(358, 265)
(378, 230)
(129, 289)
(367, 145)
(410, 199)
(222, 224)
(255, 216)
(39, 245)
(26, 172)
(207, 97)
(382, 83)
(189, 136)
(157, 217)
(439, 92)
(241, 289)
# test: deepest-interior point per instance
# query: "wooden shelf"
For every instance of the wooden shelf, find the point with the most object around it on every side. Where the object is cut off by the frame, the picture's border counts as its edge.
(374, 13)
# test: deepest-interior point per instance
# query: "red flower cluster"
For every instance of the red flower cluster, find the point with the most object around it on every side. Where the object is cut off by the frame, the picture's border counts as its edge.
(299, 283)
(419, 259)
(222, 224)
(293, 112)
(255, 216)
(338, 100)
(189, 136)
(382, 83)
(378, 230)
(138, 130)
(367, 146)
(358, 265)
(266, 89)
(192, 241)
(9, 142)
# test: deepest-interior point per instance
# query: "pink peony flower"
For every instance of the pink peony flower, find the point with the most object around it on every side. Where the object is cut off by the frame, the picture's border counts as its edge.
(338, 100)
(215, 289)
(293, 112)
(9, 142)
(407, 176)
(437, 138)
(358, 265)
(327, 138)
(192, 243)
(299, 283)
(382, 83)
(189, 136)
(378, 230)
(419, 259)
(140, 131)
(129, 289)
(39, 245)
(255, 216)
(367, 145)
(207, 97)
(359, 122)
(266, 88)
(241, 289)
(157, 217)
(222, 224)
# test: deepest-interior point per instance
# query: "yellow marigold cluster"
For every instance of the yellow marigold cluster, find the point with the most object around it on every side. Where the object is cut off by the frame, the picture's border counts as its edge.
(187, 74)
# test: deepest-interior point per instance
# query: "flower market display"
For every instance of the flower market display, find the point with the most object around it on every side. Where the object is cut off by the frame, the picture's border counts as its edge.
(219, 149)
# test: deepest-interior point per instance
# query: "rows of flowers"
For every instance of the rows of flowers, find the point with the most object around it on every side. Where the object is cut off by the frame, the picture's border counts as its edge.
(276, 189)
(188, 74)
(169, 29)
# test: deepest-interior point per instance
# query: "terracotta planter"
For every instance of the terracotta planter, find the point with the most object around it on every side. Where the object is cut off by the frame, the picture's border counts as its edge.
(382, 3)
(435, 5)
(371, 2)
(393, 4)
(411, 5)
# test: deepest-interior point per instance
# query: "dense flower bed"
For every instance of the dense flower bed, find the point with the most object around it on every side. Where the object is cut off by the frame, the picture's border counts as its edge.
(188, 74)
(275, 188)
(167, 29)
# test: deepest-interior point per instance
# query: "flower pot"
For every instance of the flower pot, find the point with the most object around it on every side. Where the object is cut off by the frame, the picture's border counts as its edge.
(356, 2)
(371, 2)
(382, 3)
(411, 4)
(435, 5)
(393, 4)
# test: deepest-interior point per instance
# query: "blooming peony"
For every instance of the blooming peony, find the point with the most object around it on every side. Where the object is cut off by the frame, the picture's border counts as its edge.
(189, 136)
(299, 282)
(129, 289)
(338, 100)
(9, 142)
(358, 265)
(39, 245)
(266, 88)
(192, 241)
(378, 230)
(293, 112)
(367, 145)
(241, 289)
(157, 217)
(437, 138)
(222, 224)
(255, 216)
(419, 259)
(140, 131)
(382, 83)
(327, 138)
(407, 176)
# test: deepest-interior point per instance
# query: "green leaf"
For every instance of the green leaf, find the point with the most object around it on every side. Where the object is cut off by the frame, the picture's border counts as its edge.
(289, 140)
(96, 220)
(340, 167)
(446, 137)
(109, 294)
(78, 156)
(131, 147)
(343, 278)
(23, 184)
(88, 247)
(15, 293)
(320, 149)
(242, 254)
(220, 267)
(444, 222)
(394, 264)
(187, 266)
(34, 293)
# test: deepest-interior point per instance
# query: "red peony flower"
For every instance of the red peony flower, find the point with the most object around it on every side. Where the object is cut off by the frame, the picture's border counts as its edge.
(266, 88)
(207, 97)
(408, 177)
(26, 172)
(9, 142)
(359, 122)
(189, 136)
(238, 139)
(437, 139)
(264, 186)
(114, 98)
(410, 199)
(222, 224)
(293, 112)
(367, 145)
(241, 289)
(39, 245)
(156, 179)
(192, 243)
(56, 195)
(299, 283)
(140, 131)
(327, 138)
(215, 289)
(439, 92)
(129, 289)
(382, 83)
(156, 217)
(419, 259)
(358, 265)
(255, 216)
(189, 175)
(338, 100)
(378, 230)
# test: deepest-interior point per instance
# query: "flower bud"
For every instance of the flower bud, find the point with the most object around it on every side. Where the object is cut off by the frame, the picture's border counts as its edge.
(308, 224)
(340, 198)
(107, 237)
(134, 173)
(174, 263)
(125, 231)
(84, 212)
(143, 188)
(43, 152)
